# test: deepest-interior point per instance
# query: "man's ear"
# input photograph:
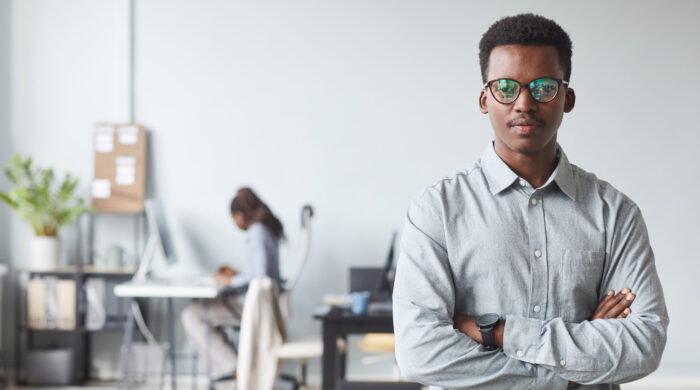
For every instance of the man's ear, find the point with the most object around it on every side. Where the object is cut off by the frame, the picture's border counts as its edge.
(570, 100)
(482, 102)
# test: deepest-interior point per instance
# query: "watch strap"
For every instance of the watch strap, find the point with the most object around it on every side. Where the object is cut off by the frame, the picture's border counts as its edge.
(489, 341)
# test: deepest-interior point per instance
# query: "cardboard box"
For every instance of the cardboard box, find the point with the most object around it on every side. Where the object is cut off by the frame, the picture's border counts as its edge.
(119, 184)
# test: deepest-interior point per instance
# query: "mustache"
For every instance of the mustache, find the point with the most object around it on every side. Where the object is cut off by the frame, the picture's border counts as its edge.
(522, 121)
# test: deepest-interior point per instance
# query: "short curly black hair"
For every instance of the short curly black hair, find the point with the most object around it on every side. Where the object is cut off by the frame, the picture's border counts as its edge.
(525, 29)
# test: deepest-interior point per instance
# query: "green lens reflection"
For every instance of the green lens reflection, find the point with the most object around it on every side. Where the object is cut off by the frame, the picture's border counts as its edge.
(505, 90)
(543, 90)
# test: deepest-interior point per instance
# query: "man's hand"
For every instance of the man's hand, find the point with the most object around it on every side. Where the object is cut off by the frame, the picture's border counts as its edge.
(614, 306)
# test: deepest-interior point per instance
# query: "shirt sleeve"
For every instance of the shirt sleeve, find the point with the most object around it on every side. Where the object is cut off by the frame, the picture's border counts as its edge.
(605, 350)
(240, 280)
(256, 258)
(428, 349)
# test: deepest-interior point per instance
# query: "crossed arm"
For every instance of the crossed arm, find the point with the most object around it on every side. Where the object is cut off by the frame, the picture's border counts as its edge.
(612, 306)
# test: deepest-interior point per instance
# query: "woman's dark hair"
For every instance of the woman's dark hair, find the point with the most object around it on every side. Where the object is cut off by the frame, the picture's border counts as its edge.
(526, 29)
(255, 210)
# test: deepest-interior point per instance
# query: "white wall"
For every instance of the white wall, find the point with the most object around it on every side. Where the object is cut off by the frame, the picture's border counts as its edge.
(354, 107)
(4, 152)
(68, 71)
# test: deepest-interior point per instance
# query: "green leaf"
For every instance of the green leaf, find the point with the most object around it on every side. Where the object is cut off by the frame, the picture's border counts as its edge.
(67, 188)
(10, 202)
(43, 204)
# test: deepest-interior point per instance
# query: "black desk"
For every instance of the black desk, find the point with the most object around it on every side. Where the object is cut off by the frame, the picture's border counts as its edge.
(339, 324)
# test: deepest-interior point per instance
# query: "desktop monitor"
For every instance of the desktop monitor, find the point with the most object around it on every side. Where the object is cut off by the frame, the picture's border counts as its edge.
(158, 227)
(158, 236)
(378, 281)
(386, 280)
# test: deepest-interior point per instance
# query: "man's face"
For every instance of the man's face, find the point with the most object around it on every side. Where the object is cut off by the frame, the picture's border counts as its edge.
(526, 126)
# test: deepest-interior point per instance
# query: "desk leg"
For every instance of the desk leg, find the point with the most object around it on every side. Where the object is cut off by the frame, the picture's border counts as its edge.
(342, 359)
(207, 345)
(171, 337)
(330, 356)
(126, 344)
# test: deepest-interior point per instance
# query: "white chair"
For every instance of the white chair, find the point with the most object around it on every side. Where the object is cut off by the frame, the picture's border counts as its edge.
(304, 349)
(307, 212)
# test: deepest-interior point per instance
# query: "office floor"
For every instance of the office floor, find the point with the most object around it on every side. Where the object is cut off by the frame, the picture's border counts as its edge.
(681, 383)
(690, 383)
(658, 380)
(184, 383)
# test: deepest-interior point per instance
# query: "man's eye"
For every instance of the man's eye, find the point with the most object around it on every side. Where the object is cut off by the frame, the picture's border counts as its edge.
(506, 89)
(545, 87)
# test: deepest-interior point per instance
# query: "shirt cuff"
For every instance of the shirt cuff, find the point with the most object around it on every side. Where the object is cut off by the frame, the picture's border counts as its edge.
(521, 338)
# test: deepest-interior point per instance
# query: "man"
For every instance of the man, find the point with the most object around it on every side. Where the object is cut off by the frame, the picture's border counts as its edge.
(527, 245)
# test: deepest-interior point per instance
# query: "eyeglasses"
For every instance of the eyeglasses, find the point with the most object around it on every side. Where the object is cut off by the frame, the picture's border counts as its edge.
(543, 90)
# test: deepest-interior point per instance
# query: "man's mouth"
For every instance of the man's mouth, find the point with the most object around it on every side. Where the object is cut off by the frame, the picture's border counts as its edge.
(525, 126)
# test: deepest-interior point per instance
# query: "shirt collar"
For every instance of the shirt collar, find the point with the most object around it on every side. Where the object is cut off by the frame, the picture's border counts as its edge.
(564, 175)
(500, 176)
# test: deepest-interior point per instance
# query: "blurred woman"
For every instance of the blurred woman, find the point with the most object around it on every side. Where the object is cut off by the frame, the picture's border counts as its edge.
(264, 232)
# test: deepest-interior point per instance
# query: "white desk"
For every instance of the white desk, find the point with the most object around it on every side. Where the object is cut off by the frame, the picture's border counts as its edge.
(190, 288)
(167, 289)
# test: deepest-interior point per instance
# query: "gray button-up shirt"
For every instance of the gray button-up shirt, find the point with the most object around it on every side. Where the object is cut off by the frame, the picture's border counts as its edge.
(485, 241)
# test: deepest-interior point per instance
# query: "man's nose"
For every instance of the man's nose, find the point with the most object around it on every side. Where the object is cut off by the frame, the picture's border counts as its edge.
(525, 102)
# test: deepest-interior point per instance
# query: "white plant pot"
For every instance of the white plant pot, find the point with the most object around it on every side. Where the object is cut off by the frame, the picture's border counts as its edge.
(44, 253)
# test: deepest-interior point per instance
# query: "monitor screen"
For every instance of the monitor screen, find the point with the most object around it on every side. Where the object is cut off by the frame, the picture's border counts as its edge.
(385, 283)
(158, 226)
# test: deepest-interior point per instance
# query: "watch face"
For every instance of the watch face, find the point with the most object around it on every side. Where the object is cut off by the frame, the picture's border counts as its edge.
(487, 320)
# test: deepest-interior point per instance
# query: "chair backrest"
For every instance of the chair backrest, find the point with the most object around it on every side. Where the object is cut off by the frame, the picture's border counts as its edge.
(307, 212)
(262, 331)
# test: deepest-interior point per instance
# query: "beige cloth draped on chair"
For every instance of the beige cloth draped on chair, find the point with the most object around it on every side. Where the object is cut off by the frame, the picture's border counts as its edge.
(262, 332)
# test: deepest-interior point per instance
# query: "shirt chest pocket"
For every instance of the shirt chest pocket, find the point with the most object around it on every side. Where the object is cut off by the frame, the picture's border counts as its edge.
(580, 275)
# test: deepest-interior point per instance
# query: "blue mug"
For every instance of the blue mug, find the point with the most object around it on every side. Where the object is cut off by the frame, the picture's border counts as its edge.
(359, 302)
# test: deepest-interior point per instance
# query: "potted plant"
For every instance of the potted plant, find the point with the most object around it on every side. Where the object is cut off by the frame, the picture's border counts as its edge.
(44, 206)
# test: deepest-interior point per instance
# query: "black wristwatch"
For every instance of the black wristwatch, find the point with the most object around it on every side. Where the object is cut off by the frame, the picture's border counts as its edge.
(487, 323)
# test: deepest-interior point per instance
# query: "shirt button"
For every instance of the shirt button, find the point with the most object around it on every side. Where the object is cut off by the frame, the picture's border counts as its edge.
(538, 253)
(533, 201)
(519, 353)
(562, 362)
(537, 309)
